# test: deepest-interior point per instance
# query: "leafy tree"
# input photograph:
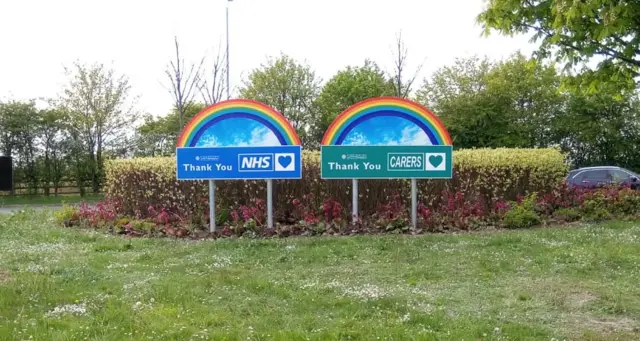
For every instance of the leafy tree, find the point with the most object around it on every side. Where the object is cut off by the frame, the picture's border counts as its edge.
(598, 129)
(97, 103)
(348, 87)
(18, 129)
(13, 115)
(576, 32)
(504, 104)
(52, 127)
(289, 87)
(156, 136)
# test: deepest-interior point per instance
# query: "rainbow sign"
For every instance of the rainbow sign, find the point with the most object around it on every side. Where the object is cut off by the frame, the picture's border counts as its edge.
(386, 138)
(238, 122)
(386, 121)
(238, 139)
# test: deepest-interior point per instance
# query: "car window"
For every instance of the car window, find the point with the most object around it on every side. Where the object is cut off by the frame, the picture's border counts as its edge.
(620, 175)
(595, 175)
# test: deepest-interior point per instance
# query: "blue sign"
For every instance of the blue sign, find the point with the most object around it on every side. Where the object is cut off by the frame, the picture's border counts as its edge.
(239, 163)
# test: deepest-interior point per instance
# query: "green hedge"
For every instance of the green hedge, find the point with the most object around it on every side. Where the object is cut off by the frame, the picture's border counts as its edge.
(492, 174)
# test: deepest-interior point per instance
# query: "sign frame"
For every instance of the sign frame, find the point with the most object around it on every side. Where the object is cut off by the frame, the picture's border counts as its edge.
(386, 106)
(447, 149)
(249, 174)
(216, 113)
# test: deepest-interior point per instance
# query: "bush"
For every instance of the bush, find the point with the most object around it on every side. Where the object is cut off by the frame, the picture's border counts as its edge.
(482, 175)
(455, 212)
(67, 215)
(567, 214)
(522, 215)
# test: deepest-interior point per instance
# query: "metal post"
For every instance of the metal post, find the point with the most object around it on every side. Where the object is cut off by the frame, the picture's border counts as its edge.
(228, 83)
(270, 203)
(414, 203)
(354, 201)
(212, 206)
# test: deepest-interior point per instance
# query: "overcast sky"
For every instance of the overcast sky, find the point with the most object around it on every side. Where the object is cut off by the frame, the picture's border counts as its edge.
(136, 38)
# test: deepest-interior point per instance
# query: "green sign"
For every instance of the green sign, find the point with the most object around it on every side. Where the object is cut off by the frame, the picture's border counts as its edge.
(386, 162)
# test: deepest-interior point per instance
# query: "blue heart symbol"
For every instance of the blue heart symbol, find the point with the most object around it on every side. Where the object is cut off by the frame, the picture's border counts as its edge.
(284, 161)
(435, 160)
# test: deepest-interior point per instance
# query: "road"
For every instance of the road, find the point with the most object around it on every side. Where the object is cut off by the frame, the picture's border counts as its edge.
(10, 209)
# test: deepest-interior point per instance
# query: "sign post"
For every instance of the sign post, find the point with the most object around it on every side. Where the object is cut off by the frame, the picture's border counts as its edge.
(354, 201)
(270, 203)
(386, 138)
(212, 206)
(414, 202)
(238, 140)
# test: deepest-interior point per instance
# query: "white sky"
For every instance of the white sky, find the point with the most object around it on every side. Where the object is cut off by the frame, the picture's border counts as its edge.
(136, 38)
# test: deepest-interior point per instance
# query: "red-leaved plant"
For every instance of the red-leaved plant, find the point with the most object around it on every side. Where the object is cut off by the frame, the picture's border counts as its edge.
(303, 209)
(332, 211)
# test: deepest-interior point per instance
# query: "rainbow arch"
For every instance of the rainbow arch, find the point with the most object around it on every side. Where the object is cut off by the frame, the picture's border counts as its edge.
(386, 106)
(238, 108)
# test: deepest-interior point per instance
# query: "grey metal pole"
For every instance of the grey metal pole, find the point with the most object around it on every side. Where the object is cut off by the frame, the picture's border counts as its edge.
(414, 203)
(228, 82)
(212, 206)
(354, 200)
(270, 203)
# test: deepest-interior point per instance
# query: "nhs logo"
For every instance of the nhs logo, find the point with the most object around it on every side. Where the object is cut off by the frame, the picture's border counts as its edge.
(267, 162)
(258, 162)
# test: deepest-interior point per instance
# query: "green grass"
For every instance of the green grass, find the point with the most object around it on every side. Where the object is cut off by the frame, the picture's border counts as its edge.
(48, 200)
(578, 283)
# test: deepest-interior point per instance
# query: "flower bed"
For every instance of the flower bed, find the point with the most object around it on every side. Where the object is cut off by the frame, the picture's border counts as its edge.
(483, 176)
(456, 212)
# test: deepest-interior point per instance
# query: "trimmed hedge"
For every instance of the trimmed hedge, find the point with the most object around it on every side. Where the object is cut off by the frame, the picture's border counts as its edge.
(489, 175)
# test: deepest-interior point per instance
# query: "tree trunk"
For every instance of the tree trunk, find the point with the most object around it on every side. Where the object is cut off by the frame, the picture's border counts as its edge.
(47, 172)
(98, 170)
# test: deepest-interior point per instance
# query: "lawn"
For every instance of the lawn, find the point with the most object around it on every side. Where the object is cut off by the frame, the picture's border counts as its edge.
(578, 283)
(7, 200)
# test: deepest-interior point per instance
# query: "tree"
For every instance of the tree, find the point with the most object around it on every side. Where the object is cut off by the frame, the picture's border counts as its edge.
(184, 81)
(13, 116)
(598, 129)
(52, 125)
(100, 111)
(402, 84)
(289, 87)
(213, 82)
(485, 104)
(346, 88)
(576, 31)
(18, 129)
(156, 136)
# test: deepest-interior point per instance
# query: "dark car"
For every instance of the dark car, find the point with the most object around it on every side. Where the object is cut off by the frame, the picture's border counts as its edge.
(590, 177)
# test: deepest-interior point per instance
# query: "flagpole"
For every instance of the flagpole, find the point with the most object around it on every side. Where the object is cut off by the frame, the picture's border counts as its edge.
(228, 83)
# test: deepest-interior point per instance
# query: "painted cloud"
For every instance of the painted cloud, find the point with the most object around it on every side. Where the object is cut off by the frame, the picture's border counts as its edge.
(238, 132)
(387, 131)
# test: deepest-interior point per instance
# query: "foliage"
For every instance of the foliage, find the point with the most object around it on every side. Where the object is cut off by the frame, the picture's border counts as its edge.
(484, 176)
(522, 214)
(457, 211)
(158, 136)
(66, 215)
(600, 129)
(348, 87)
(100, 111)
(41, 144)
(576, 32)
(522, 103)
(289, 87)
(567, 214)
(502, 104)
